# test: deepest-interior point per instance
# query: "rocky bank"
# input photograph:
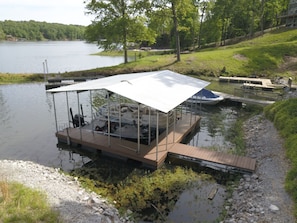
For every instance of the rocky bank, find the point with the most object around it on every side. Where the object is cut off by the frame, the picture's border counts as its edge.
(64, 193)
(261, 197)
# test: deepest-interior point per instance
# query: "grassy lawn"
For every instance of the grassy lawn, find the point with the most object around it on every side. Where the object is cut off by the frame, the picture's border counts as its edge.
(21, 204)
(20, 78)
(262, 56)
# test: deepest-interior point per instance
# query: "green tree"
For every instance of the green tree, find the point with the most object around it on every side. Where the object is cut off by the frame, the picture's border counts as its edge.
(33, 30)
(183, 15)
(118, 23)
(170, 5)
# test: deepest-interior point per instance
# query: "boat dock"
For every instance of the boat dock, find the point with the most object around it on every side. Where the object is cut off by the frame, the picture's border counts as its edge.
(64, 81)
(246, 100)
(253, 83)
(162, 91)
(155, 154)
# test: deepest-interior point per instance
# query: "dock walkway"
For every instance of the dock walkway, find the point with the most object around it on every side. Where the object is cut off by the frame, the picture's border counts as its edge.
(244, 99)
(154, 155)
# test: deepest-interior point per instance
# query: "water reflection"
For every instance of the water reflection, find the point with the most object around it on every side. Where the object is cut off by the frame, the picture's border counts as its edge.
(28, 128)
(214, 126)
(194, 204)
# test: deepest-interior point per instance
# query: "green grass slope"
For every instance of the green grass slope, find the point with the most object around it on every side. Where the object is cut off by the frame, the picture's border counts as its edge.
(270, 55)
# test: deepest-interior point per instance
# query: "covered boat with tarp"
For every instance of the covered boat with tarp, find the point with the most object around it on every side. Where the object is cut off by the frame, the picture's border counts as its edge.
(206, 97)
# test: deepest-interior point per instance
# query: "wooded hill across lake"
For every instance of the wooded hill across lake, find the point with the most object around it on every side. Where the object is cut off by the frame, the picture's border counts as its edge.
(37, 31)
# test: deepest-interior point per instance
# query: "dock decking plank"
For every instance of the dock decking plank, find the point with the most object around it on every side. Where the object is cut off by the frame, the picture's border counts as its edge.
(241, 162)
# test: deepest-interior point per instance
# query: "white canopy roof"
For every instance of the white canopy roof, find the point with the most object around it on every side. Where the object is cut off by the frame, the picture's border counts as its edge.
(161, 90)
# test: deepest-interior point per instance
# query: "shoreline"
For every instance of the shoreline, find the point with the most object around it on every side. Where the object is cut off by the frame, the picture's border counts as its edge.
(64, 193)
(259, 197)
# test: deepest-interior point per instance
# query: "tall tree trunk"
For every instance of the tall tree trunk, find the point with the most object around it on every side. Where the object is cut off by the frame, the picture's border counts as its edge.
(252, 20)
(262, 16)
(124, 32)
(177, 41)
(125, 46)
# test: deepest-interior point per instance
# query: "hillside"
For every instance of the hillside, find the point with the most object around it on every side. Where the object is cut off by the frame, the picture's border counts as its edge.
(36, 31)
(273, 54)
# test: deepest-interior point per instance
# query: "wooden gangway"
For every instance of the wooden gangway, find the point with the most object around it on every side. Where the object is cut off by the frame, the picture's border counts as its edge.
(154, 154)
(244, 99)
(213, 159)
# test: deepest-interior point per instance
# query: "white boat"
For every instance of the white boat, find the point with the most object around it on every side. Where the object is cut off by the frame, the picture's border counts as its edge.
(127, 113)
(206, 97)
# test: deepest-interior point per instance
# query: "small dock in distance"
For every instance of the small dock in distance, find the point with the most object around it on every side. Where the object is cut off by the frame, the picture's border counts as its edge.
(64, 81)
(154, 155)
(244, 99)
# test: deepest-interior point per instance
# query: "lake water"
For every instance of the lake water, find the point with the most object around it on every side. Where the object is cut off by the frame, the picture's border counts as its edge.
(27, 127)
(60, 56)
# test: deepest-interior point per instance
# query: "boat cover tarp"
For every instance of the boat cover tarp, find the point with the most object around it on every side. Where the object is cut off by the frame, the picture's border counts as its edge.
(207, 94)
(161, 90)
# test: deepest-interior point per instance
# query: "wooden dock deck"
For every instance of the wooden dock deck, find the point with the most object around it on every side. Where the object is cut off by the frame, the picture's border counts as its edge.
(244, 99)
(216, 160)
(154, 155)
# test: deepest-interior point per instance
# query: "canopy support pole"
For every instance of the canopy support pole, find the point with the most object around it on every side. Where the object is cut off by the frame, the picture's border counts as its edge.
(67, 102)
(191, 113)
(92, 120)
(138, 128)
(120, 115)
(79, 119)
(108, 118)
(174, 124)
(167, 132)
(55, 112)
(149, 127)
(157, 136)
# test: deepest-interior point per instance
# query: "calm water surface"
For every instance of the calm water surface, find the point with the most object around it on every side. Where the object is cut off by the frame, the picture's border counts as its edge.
(60, 56)
(27, 127)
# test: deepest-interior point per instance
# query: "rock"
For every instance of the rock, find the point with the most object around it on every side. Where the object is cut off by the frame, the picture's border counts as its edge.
(273, 208)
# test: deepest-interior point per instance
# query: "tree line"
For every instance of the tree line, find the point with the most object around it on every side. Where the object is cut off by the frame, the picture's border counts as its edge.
(179, 24)
(36, 31)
